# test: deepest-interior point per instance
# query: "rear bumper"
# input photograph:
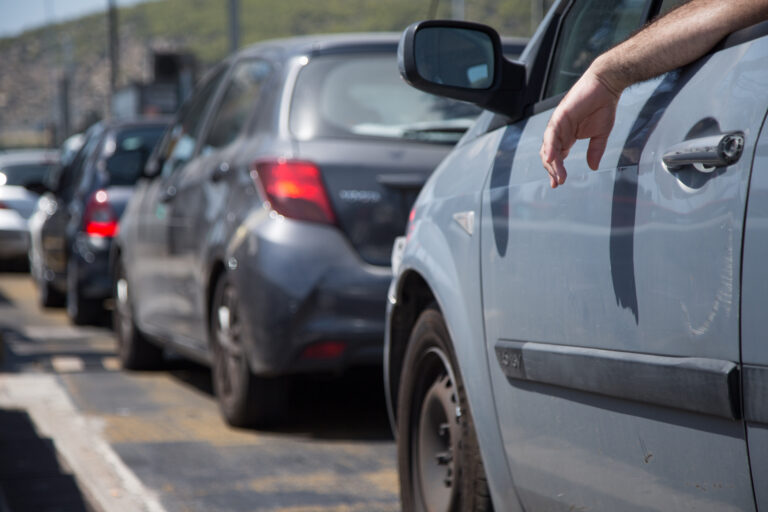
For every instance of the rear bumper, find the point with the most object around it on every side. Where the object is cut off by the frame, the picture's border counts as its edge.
(91, 257)
(301, 285)
(14, 243)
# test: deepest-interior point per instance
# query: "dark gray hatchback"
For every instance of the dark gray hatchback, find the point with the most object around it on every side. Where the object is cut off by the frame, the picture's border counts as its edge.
(259, 241)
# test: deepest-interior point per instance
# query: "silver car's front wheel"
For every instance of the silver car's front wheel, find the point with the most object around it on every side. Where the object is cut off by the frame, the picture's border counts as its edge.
(439, 461)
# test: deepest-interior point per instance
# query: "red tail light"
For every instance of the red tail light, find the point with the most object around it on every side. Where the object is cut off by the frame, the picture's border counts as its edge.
(324, 350)
(99, 219)
(294, 189)
(3, 206)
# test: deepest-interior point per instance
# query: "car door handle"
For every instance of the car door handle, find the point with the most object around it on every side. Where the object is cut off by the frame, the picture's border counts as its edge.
(705, 153)
(168, 194)
(220, 172)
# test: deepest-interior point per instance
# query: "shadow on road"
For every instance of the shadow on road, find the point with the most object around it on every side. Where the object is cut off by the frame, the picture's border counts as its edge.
(350, 406)
(31, 478)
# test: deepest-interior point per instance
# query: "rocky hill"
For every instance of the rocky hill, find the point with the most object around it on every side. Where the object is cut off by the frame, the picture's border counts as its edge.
(34, 62)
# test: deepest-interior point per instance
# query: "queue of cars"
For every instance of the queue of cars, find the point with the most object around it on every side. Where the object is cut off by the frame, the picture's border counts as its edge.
(594, 347)
(74, 223)
(599, 346)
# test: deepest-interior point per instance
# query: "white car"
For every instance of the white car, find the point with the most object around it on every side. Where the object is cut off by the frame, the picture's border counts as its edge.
(22, 176)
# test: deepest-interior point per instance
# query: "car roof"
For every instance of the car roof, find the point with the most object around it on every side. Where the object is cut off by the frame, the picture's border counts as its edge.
(321, 43)
(27, 156)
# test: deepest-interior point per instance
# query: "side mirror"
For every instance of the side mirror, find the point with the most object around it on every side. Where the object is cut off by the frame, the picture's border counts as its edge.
(37, 187)
(463, 61)
(152, 168)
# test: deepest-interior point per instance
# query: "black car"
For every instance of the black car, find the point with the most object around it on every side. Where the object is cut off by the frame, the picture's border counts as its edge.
(259, 242)
(80, 220)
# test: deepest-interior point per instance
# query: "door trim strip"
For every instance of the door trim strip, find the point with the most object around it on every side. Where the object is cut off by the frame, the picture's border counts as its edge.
(707, 386)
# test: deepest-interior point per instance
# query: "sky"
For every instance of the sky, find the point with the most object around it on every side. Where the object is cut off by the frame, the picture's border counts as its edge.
(16, 16)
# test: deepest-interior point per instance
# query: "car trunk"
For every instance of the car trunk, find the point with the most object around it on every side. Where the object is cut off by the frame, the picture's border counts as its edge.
(372, 186)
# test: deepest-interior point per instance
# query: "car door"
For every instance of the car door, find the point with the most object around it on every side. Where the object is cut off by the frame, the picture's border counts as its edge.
(151, 272)
(754, 298)
(201, 208)
(611, 304)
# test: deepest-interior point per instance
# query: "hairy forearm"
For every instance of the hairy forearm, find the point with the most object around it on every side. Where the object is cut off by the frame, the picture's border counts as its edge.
(678, 38)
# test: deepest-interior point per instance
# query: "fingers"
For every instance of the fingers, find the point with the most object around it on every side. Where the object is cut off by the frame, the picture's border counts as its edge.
(595, 151)
(552, 154)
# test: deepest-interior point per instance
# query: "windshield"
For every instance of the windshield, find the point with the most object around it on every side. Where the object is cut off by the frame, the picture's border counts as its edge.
(131, 150)
(24, 174)
(362, 95)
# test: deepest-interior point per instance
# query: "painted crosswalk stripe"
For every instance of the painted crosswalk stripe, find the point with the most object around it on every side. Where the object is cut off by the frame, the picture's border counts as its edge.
(67, 364)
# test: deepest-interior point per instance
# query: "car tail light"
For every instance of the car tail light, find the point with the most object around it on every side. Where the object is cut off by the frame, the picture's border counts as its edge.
(99, 219)
(294, 189)
(324, 350)
(4, 206)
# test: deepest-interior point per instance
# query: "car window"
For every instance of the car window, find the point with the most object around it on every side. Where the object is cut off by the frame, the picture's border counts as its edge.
(362, 95)
(668, 5)
(590, 28)
(131, 150)
(24, 174)
(179, 146)
(237, 103)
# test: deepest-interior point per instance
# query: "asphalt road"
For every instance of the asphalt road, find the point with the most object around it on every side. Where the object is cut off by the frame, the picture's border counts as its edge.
(100, 438)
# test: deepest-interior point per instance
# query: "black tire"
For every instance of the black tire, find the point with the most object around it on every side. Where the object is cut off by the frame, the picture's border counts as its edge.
(81, 311)
(134, 350)
(244, 399)
(439, 461)
(48, 296)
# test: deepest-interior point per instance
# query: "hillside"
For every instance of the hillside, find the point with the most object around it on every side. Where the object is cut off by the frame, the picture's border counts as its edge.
(34, 61)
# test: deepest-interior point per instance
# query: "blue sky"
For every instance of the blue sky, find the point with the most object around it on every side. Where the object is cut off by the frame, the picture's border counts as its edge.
(16, 16)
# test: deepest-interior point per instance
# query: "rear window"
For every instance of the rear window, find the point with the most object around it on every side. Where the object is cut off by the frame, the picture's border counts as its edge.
(25, 174)
(362, 95)
(131, 150)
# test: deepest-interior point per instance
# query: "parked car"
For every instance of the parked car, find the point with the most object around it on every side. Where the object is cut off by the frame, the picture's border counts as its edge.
(79, 219)
(46, 203)
(259, 242)
(22, 176)
(599, 346)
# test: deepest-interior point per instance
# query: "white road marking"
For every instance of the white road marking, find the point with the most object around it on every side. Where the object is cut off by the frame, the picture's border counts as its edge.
(67, 364)
(79, 441)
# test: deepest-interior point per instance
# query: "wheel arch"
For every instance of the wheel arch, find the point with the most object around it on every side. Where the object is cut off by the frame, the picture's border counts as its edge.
(414, 295)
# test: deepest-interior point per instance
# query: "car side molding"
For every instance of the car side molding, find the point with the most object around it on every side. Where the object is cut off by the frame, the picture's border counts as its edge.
(707, 386)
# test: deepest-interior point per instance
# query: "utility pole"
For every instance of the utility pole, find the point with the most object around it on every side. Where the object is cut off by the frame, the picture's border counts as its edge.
(457, 9)
(114, 64)
(234, 25)
(537, 14)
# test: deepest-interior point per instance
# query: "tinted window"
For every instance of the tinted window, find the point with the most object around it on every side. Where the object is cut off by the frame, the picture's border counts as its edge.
(362, 95)
(590, 28)
(237, 103)
(24, 174)
(179, 145)
(131, 150)
(668, 5)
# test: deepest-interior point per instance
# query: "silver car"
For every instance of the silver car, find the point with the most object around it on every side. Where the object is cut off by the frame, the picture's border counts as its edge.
(22, 176)
(599, 346)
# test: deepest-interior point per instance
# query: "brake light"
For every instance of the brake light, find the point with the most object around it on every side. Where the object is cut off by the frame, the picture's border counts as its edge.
(294, 189)
(324, 350)
(4, 206)
(99, 219)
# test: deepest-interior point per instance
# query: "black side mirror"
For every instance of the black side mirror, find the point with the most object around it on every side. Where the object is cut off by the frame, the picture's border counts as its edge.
(152, 168)
(463, 61)
(38, 187)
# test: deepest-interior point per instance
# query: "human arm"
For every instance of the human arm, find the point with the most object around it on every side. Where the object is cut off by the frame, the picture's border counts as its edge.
(588, 110)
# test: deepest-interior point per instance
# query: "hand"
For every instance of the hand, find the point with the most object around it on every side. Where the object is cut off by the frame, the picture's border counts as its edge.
(586, 112)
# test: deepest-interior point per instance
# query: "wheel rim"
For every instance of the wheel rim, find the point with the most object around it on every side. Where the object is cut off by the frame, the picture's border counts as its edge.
(436, 435)
(227, 351)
